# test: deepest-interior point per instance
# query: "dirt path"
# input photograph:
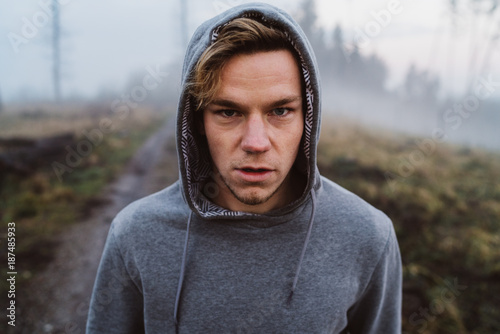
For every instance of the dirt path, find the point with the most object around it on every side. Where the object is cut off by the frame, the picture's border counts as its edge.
(59, 297)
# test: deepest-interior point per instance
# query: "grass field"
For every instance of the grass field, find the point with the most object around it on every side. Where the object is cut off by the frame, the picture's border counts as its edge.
(444, 201)
(51, 199)
(445, 205)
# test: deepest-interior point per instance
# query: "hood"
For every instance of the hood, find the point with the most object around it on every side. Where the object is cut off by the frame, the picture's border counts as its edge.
(194, 161)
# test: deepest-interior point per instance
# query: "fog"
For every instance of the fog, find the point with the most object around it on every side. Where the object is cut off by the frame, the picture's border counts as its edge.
(386, 66)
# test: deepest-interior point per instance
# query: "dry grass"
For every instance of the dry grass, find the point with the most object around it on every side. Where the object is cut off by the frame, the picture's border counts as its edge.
(43, 205)
(45, 120)
(446, 211)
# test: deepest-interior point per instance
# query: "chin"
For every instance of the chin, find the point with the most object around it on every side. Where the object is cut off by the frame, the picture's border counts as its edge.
(253, 200)
(253, 197)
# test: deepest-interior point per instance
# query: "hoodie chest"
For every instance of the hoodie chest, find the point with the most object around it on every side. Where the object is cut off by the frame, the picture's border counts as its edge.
(241, 282)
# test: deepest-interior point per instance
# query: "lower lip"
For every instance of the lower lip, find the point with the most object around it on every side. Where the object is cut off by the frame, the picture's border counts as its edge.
(254, 176)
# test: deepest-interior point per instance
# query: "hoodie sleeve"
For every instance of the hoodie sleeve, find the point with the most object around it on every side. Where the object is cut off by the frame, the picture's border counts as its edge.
(116, 305)
(379, 309)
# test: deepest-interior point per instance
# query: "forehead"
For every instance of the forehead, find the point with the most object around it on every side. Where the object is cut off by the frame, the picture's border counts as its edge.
(268, 74)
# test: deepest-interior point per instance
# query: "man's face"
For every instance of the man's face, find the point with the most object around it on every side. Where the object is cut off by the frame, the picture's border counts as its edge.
(253, 127)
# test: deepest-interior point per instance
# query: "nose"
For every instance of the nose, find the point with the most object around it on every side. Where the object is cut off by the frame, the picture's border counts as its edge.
(255, 136)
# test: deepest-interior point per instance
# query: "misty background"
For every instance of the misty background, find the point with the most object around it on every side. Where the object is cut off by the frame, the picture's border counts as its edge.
(413, 67)
(87, 94)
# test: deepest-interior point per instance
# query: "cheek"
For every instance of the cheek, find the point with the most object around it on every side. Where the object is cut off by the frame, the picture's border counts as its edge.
(213, 142)
(288, 142)
(218, 145)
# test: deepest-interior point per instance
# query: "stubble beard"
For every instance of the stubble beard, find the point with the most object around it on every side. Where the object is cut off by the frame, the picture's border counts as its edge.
(251, 199)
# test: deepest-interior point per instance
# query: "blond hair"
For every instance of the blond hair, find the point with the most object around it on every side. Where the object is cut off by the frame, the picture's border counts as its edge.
(240, 36)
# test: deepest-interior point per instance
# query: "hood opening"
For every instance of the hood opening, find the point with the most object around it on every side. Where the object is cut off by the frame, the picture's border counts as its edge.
(195, 163)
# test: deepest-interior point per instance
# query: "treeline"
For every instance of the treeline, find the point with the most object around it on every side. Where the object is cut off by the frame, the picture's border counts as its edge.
(343, 65)
(344, 68)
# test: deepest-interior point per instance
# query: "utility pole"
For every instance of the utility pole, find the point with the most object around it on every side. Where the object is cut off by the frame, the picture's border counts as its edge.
(1, 105)
(184, 24)
(56, 51)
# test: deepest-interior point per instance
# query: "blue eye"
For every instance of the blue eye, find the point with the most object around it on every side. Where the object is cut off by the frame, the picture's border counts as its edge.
(281, 111)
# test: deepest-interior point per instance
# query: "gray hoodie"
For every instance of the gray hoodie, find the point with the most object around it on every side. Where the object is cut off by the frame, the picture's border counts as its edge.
(175, 262)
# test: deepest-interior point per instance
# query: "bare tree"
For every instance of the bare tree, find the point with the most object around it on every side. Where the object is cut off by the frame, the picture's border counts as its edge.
(339, 65)
(480, 6)
(487, 9)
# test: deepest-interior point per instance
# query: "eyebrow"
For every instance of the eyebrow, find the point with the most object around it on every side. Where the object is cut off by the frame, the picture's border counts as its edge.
(231, 104)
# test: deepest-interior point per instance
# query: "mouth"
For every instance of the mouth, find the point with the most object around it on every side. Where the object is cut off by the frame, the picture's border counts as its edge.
(255, 170)
(254, 174)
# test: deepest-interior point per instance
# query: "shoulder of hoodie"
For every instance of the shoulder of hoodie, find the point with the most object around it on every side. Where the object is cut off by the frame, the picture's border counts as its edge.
(354, 218)
(164, 209)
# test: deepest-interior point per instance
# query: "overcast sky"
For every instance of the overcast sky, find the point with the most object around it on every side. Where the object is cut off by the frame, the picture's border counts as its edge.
(104, 41)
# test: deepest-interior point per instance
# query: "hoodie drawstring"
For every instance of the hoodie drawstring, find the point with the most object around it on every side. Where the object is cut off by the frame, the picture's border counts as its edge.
(181, 278)
(297, 272)
(306, 242)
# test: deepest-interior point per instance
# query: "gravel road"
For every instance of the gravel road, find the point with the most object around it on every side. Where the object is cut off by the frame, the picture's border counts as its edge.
(57, 300)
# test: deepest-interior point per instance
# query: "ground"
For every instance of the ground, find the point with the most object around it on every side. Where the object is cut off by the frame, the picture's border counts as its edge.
(57, 300)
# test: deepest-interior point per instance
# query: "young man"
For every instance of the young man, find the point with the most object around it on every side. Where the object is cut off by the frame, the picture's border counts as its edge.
(251, 239)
